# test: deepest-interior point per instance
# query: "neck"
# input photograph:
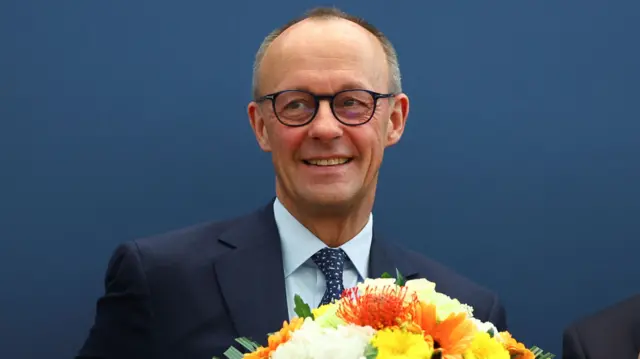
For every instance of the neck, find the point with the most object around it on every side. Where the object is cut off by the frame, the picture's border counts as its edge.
(333, 223)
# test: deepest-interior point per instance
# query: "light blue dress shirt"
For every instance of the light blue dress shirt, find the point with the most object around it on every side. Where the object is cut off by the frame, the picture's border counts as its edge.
(302, 276)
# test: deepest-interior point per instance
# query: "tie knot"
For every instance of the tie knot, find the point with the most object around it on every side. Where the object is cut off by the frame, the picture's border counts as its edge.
(331, 262)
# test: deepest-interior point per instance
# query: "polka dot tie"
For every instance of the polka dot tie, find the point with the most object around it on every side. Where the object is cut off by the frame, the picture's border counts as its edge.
(331, 264)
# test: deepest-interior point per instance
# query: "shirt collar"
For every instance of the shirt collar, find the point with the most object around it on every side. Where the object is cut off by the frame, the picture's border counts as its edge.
(299, 244)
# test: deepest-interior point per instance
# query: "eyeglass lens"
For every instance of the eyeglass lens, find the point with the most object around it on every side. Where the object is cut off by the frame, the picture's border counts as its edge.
(351, 107)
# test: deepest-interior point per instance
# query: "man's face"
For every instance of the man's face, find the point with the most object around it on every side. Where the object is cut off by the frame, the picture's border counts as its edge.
(324, 57)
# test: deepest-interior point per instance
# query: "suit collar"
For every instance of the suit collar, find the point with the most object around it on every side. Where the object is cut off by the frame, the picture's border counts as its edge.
(299, 244)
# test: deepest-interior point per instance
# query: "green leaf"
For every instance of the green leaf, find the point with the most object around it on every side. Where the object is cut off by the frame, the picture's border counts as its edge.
(491, 332)
(247, 344)
(233, 353)
(386, 275)
(541, 354)
(400, 279)
(302, 309)
(370, 352)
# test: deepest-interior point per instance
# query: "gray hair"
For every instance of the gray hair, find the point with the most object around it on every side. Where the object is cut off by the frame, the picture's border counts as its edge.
(395, 79)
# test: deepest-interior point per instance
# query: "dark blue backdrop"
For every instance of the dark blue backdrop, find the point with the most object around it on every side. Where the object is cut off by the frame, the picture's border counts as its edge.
(519, 167)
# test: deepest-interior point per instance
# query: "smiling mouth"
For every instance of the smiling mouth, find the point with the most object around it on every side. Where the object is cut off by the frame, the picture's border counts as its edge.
(328, 162)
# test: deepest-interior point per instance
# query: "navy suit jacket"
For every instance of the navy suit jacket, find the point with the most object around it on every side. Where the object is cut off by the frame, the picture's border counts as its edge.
(613, 332)
(190, 293)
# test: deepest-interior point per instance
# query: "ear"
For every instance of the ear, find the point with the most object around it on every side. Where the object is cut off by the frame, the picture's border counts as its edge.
(397, 119)
(257, 121)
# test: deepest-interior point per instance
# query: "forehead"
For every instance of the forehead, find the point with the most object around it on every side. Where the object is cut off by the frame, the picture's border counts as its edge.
(324, 55)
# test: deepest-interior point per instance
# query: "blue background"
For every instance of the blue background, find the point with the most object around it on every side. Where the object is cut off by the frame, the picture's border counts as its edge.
(519, 168)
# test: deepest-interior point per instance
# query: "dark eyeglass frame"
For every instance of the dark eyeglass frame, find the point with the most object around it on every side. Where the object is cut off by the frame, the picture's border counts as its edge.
(317, 98)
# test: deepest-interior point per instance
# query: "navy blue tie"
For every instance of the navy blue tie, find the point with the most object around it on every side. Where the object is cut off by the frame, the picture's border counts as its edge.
(331, 264)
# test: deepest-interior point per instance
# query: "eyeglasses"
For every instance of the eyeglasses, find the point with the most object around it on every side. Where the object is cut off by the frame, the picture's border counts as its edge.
(297, 108)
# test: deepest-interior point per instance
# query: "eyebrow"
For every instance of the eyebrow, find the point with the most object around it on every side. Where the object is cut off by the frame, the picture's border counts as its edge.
(351, 85)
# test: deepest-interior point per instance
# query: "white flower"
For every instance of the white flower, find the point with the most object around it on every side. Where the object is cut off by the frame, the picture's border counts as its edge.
(445, 305)
(377, 284)
(420, 286)
(312, 341)
(485, 327)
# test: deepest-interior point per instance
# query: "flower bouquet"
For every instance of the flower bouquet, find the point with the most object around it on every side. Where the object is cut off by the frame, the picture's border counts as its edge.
(388, 318)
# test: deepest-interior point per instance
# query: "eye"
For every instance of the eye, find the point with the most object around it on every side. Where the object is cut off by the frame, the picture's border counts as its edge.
(295, 105)
(350, 102)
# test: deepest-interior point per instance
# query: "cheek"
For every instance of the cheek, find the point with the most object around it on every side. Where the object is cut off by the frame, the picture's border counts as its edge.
(285, 140)
(368, 140)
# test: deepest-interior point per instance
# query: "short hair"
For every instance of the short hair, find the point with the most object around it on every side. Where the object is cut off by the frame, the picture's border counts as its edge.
(395, 80)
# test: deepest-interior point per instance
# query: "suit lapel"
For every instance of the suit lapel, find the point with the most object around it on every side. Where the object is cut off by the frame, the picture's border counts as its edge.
(251, 276)
(385, 257)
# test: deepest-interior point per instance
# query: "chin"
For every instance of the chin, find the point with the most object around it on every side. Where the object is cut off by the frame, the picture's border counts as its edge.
(330, 197)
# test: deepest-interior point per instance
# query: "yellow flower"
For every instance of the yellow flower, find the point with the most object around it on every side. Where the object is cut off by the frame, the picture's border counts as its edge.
(395, 343)
(322, 310)
(326, 315)
(485, 347)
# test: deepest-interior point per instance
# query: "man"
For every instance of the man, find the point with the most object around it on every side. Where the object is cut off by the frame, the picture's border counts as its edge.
(613, 332)
(327, 102)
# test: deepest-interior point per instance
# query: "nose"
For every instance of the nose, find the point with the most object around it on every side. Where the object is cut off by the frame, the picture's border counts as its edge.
(325, 126)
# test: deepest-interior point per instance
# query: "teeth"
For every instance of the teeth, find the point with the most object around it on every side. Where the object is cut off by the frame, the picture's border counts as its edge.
(329, 162)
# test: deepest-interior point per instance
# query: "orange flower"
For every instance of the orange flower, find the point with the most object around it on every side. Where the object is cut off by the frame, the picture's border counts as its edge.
(452, 335)
(516, 349)
(378, 308)
(424, 316)
(280, 337)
